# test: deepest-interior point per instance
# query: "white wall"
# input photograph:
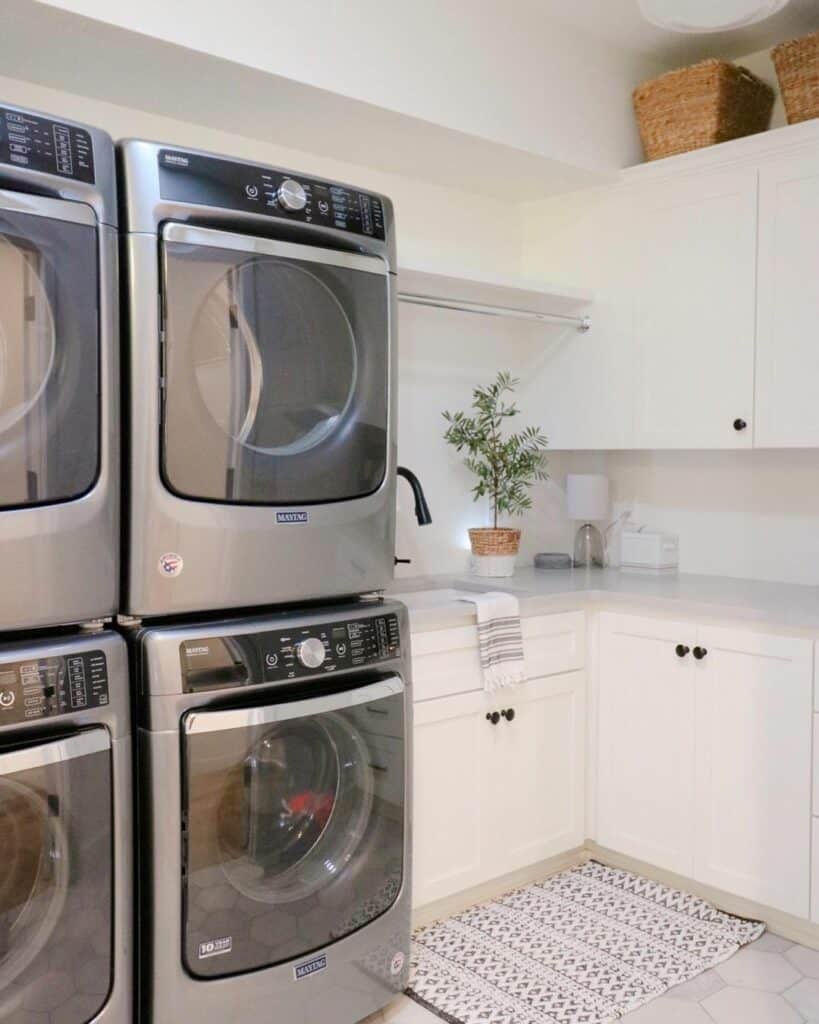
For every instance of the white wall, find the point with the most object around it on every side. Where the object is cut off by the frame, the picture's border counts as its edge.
(752, 514)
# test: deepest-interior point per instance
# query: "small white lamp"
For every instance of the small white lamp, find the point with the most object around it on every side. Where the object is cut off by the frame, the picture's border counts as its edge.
(587, 499)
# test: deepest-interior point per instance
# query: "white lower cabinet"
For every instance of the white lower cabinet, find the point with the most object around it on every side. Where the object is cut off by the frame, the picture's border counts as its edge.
(449, 736)
(753, 758)
(705, 754)
(492, 798)
(645, 805)
(534, 773)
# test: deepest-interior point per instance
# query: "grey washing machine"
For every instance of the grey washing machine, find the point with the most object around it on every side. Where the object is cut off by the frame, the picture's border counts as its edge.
(59, 382)
(274, 817)
(262, 366)
(66, 888)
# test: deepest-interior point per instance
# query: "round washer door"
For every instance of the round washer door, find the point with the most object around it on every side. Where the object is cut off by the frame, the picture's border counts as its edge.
(56, 924)
(295, 826)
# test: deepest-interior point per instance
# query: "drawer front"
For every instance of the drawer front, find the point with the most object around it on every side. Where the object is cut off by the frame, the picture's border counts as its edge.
(447, 662)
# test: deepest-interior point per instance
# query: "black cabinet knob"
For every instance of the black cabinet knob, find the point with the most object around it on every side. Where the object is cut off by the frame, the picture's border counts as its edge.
(740, 424)
(681, 650)
(699, 653)
(493, 717)
(508, 714)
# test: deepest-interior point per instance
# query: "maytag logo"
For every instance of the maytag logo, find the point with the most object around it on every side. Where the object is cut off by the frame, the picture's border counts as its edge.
(193, 652)
(318, 963)
(292, 517)
(175, 160)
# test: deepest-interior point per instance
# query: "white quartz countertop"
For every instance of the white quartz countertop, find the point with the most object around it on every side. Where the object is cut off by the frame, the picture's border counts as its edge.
(433, 601)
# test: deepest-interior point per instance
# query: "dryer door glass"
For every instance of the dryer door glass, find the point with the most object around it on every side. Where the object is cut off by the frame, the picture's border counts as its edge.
(49, 355)
(55, 879)
(276, 370)
(295, 826)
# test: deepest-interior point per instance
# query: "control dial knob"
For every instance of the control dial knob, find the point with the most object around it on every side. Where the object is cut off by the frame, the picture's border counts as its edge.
(291, 195)
(311, 653)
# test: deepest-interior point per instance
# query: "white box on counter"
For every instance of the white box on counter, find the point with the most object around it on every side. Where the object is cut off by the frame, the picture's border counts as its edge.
(645, 550)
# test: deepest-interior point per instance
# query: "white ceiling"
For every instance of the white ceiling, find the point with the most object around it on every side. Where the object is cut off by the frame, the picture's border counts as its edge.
(620, 23)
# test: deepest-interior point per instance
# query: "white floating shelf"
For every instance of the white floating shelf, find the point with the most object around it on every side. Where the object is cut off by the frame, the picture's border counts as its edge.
(515, 298)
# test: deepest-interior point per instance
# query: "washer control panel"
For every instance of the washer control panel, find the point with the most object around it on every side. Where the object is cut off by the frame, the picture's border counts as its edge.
(211, 181)
(44, 687)
(39, 144)
(288, 654)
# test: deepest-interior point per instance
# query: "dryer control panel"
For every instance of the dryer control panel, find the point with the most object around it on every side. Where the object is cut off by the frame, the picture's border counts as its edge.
(212, 181)
(39, 144)
(283, 655)
(43, 687)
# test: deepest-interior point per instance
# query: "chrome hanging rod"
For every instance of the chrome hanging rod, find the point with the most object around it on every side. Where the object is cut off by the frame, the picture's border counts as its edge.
(583, 323)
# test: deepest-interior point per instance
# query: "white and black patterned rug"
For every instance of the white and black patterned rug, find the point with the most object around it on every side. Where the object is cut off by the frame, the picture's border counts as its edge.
(583, 947)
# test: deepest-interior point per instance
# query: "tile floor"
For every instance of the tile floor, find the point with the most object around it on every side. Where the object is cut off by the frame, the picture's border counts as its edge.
(772, 981)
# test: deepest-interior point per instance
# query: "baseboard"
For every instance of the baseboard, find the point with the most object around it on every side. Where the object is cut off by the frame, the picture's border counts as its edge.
(467, 898)
(789, 927)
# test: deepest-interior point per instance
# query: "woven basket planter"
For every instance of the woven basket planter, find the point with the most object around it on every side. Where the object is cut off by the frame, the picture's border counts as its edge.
(797, 68)
(489, 541)
(711, 102)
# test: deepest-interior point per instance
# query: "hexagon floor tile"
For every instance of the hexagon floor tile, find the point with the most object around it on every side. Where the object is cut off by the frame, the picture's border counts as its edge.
(749, 968)
(749, 1006)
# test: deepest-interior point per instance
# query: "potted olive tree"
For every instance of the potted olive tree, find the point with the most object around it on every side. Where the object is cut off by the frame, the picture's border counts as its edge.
(505, 465)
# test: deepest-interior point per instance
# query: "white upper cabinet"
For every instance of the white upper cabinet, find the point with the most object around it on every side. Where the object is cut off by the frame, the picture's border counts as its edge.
(694, 296)
(787, 410)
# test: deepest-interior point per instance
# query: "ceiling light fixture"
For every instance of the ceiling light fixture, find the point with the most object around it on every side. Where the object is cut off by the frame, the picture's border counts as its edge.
(708, 15)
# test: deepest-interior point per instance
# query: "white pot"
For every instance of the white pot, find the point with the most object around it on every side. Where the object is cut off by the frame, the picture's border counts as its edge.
(493, 565)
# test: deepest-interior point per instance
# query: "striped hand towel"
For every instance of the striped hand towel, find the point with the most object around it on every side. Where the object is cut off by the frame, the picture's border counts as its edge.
(500, 639)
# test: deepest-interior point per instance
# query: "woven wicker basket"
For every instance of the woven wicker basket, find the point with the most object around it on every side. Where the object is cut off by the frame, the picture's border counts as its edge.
(488, 541)
(711, 102)
(797, 68)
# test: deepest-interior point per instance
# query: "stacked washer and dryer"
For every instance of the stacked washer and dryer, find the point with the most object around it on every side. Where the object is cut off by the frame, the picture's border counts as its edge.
(65, 757)
(273, 696)
(269, 680)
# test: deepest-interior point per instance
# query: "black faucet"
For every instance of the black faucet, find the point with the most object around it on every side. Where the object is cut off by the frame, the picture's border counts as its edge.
(422, 513)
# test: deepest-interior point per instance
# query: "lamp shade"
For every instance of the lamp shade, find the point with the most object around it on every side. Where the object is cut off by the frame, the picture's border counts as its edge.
(587, 496)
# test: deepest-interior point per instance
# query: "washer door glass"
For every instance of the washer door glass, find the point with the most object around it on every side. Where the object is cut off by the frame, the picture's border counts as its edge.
(49, 356)
(276, 368)
(294, 827)
(55, 879)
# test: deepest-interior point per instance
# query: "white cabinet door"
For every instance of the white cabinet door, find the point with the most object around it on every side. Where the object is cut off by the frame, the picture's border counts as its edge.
(646, 740)
(787, 411)
(448, 802)
(534, 773)
(753, 791)
(694, 295)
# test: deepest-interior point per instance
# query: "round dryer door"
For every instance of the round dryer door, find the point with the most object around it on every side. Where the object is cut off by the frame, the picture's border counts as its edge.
(295, 826)
(55, 879)
(49, 353)
(276, 370)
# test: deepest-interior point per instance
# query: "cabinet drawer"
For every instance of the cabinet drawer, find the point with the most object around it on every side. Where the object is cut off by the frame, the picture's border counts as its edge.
(446, 662)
